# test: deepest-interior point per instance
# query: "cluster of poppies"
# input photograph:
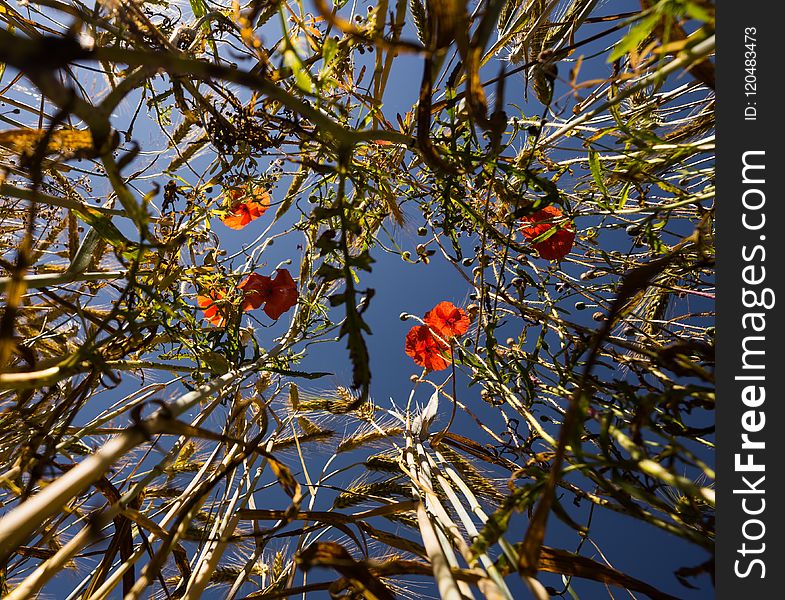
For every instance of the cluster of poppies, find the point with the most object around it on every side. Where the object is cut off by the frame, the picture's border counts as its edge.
(246, 205)
(552, 245)
(428, 345)
(278, 295)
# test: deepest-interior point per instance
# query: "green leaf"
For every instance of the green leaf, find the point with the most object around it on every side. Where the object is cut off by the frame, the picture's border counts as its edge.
(596, 172)
(329, 52)
(329, 273)
(300, 374)
(217, 363)
(636, 35)
(625, 194)
(698, 12)
(103, 226)
(199, 8)
(363, 261)
(302, 78)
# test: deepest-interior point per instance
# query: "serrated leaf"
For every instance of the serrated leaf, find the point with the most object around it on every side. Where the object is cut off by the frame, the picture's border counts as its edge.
(363, 261)
(329, 273)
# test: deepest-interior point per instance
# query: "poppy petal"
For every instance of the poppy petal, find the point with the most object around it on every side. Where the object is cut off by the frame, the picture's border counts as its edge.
(238, 218)
(247, 205)
(212, 312)
(425, 349)
(447, 320)
(283, 296)
(278, 295)
(256, 290)
(559, 243)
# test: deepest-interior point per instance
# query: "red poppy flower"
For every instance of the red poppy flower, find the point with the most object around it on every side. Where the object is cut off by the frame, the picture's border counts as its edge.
(247, 205)
(426, 350)
(557, 245)
(278, 295)
(212, 312)
(447, 320)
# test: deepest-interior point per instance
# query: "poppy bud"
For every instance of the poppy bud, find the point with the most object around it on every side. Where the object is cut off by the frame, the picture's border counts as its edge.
(472, 311)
